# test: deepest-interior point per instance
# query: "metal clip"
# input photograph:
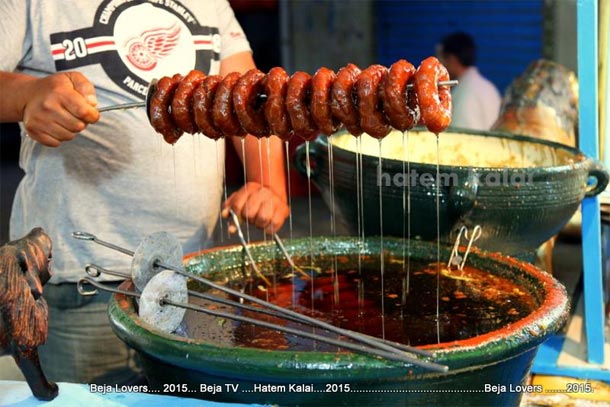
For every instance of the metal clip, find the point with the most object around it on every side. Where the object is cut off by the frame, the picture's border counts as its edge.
(90, 281)
(244, 244)
(455, 259)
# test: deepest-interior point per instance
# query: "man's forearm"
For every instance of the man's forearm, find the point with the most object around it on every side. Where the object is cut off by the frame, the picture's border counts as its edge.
(13, 95)
(273, 163)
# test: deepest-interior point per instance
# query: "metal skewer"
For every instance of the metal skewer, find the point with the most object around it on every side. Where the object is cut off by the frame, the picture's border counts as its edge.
(375, 342)
(451, 82)
(94, 270)
(125, 106)
(331, 341)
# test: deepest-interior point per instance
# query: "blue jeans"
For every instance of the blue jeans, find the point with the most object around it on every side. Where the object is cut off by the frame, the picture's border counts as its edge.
(81, 346)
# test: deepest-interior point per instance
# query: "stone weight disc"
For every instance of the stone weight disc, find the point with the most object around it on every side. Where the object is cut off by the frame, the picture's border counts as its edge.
(164, 285)
(159, 246)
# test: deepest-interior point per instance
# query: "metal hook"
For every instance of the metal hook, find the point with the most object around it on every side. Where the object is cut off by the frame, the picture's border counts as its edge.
(95, 271)
(83, 236)
(81, 289)
(240, 235)
(280, 244)
(93, 238)
(455, 259)
(103, 287)
(476, 234)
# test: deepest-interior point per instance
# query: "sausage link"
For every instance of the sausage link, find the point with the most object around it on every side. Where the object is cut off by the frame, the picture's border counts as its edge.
(343, 105)
(160, 117)
(400, 104)
(203, 105)
(321, 85)
(372, 119)
(182, 102)
(247, 105)
(298, 97)
(276, 86)
(223, 114)
(434, 101)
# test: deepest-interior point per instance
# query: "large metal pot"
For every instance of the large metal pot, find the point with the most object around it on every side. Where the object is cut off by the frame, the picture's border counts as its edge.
(501, 357)
(520, 190)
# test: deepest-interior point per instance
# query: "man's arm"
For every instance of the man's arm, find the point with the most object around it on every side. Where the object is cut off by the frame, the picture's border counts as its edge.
(53, 109)
(263, 200)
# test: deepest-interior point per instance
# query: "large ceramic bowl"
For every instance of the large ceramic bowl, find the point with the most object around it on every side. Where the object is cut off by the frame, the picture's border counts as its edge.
(500, 357)
(520, 190)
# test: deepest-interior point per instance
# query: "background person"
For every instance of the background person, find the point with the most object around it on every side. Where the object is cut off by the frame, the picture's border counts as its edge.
(475, 100)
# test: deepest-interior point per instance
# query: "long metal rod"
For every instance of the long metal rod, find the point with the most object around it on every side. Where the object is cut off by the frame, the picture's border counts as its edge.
(80, 286)
(93, 238)
(132, 105)
(399, 357)
(375, 342)
(324, 339)
(311, 321)
(93, 270)
(123, 106)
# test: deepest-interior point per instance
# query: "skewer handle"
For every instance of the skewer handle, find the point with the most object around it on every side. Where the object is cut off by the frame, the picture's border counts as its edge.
(80, 286)
(123, 106)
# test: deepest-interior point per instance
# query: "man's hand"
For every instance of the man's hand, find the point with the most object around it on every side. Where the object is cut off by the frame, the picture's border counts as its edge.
(258, 205)
(57, 107)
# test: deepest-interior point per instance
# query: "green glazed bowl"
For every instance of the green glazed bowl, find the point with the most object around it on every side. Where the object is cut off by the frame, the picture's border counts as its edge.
(180, 365)
(520, 190)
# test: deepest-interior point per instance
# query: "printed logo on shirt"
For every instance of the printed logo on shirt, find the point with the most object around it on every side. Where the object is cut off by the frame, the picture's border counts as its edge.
(135, 41)
(145, 49)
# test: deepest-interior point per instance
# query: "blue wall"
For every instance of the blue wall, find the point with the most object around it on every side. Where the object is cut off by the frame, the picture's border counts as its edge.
(508, 33)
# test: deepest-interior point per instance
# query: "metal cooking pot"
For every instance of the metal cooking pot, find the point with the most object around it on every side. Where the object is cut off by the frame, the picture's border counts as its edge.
(520, 190)
(501, 356)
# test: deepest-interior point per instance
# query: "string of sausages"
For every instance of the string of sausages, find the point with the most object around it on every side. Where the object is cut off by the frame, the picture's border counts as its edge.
(373, 100)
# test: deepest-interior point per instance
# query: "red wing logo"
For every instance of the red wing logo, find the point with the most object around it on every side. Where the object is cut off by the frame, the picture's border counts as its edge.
(144, 51)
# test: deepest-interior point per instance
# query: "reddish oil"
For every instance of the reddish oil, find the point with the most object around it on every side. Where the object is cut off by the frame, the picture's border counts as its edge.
(472, 302)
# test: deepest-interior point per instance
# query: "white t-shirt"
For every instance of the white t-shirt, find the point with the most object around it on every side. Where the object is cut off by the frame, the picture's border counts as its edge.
(475, 101)
(118, 179)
